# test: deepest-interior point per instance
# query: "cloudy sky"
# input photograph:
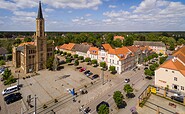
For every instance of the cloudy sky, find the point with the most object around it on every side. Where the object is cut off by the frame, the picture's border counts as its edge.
(94, 15)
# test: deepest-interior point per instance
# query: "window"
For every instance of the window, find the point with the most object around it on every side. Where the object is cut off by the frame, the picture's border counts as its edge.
(173, 72)
(175, 78)
(117, 68)
(118, 62)
(182, 87)
(112, 61)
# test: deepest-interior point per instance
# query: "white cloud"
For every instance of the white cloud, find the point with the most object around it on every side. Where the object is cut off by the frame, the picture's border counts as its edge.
(112, 6)
(23, 20)
(70, 11)
(83, 21)
(24, 13)
(116, 14)
(48, 9)
(76, 4)
(88, 15)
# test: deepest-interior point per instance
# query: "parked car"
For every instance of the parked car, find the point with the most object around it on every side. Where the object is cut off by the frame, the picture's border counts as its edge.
(178, 98)
(10, 90)
(86, 72)
(130, 95)
(2, 69)
(89, 73)
(13, 98)
(148, 77)
(82, 69)
(127, 80)
(95, 76)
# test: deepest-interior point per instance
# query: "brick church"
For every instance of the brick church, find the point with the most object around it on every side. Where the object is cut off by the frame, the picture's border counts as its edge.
(32, 56)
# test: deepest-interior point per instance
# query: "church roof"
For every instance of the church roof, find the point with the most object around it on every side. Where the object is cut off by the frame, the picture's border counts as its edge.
(40, 16)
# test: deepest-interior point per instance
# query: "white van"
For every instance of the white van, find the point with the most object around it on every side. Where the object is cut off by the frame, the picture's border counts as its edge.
(10, 90)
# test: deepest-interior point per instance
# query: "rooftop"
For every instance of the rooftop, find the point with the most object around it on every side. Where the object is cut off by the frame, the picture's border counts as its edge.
(149, 43)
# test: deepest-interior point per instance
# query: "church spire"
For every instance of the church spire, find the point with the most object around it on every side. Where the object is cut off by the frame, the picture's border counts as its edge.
(40, 16)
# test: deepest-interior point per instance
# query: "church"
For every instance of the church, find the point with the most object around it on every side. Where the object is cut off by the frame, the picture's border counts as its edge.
(32, 56)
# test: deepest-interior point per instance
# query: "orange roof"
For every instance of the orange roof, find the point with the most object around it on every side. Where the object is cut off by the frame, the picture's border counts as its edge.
(27, 43)
(133, 48)
(174, 64)
(67, 46)
(93, 50)
(107, 46)
(119, 37)
(121, 53)
(180, 54)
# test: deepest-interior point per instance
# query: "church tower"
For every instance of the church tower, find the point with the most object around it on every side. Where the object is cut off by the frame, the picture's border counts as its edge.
(40, 41)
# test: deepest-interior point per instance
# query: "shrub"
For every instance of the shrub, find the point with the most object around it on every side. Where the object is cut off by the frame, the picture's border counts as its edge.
(94, 61)
(76, 63)
(2, 62)
(64, 53)
(68, 60)
(68, 54)
(81, 58)
(75, 55)
(112, 68)
(103, 64)
(87, 59)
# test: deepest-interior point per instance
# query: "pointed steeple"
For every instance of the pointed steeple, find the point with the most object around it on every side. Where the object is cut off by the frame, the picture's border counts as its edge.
(40, 16)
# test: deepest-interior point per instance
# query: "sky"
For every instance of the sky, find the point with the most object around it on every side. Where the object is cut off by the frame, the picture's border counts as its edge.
(94, 15)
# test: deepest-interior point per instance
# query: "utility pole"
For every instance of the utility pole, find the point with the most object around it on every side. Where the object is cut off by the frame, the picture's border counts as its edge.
(102, 76)
(35, 104)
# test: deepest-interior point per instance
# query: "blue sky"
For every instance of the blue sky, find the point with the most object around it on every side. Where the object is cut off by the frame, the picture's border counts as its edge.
(94, 15)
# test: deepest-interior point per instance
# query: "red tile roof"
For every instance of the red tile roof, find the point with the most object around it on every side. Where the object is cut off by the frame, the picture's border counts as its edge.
(119, 37)
(93, 50)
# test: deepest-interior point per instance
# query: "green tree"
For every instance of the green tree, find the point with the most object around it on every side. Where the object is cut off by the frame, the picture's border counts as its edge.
(103, 109)
(150, 57)
(7, 73)
(2, 62)
(160, 54)
(68, 54)
(81, 58)
(17, 41)
(9, 57)
(112, 68)
(94, 61)
(129, 40)
(162, 59)
(152, 67)
(181, 41)
(75, 55)
(27, 39)
(1, 57)
(76, 63)
(117, 43)
(127, 88)
(103, 64)
(172, 47)
(61, 52)
(148, 72)
(64, 53)
(145, 59)
(118, 98)
(49, 63)
(68, 60)
(87, 59)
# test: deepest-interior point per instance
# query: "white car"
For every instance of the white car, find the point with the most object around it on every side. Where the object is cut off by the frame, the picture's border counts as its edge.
(127, 80)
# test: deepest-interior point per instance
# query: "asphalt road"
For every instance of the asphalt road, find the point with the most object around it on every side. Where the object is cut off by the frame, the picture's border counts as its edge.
(135, 79)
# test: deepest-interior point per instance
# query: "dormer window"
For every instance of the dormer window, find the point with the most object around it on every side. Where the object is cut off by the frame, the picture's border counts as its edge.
(121, 55)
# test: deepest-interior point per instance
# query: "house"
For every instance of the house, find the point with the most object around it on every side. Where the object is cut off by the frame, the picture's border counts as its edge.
(122, 58)
(137, 53)
(66, 48)
(171, 73)
(93, 53)
(81, 49)
(158, 47)
(103, 53)
(119, 37)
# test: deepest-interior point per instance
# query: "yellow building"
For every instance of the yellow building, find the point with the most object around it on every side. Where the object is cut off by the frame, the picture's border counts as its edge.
(32, 56)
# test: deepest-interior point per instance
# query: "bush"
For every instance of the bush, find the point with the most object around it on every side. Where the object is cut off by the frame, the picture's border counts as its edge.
(49, 63)
(94, 61)
(162, 59)
(64, 53)
(87, 59)
(1, 57)
(149, 72)
(10, 80)
(2, 62)
(112, 68)
(81, 58)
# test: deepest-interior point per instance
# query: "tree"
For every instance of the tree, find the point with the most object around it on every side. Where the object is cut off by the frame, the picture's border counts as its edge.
(9, 57)
(152, 67)
(145, 59)
(61, 52)
(172, 47)
(155, 55)
(160, 54)
(17, 41)
(103, 109)
(75, 55)
(81, 58)
(64, 53)
(129, 40)
(150, 57)
(87, 59)
(103, 64)
(148, 72)
(181, 41)
(2, 62)
(118, 99)
(55, 63)
(68, 54)
(27, 39)
(128, 88)
(76, 63)
(94, 61)
(162, 59)
(68, 60)
(49, 63)
(7, 73)
(112, 68)
(117, 43)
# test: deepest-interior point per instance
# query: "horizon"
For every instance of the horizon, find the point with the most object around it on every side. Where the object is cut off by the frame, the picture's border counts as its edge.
(94, 15)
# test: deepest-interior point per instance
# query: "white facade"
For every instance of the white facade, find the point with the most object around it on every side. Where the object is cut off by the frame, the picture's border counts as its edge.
(159, 49)
(113, 60)
(102, 56)
(81, 54)
(92, 56)
(166, 77)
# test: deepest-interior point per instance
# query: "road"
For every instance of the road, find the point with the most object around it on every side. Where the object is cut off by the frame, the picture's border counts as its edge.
(135, 79)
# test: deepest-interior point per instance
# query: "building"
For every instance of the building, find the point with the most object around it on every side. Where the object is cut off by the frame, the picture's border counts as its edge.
(81, 49)
(171, 73)
(122, 58)
(69, 48)
(158, 47)
(93, 53)
(119, 37)
(137, 53)
(32, 56)
(103, 53)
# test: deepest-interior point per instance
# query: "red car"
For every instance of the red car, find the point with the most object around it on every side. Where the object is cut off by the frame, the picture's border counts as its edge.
(82, 69)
